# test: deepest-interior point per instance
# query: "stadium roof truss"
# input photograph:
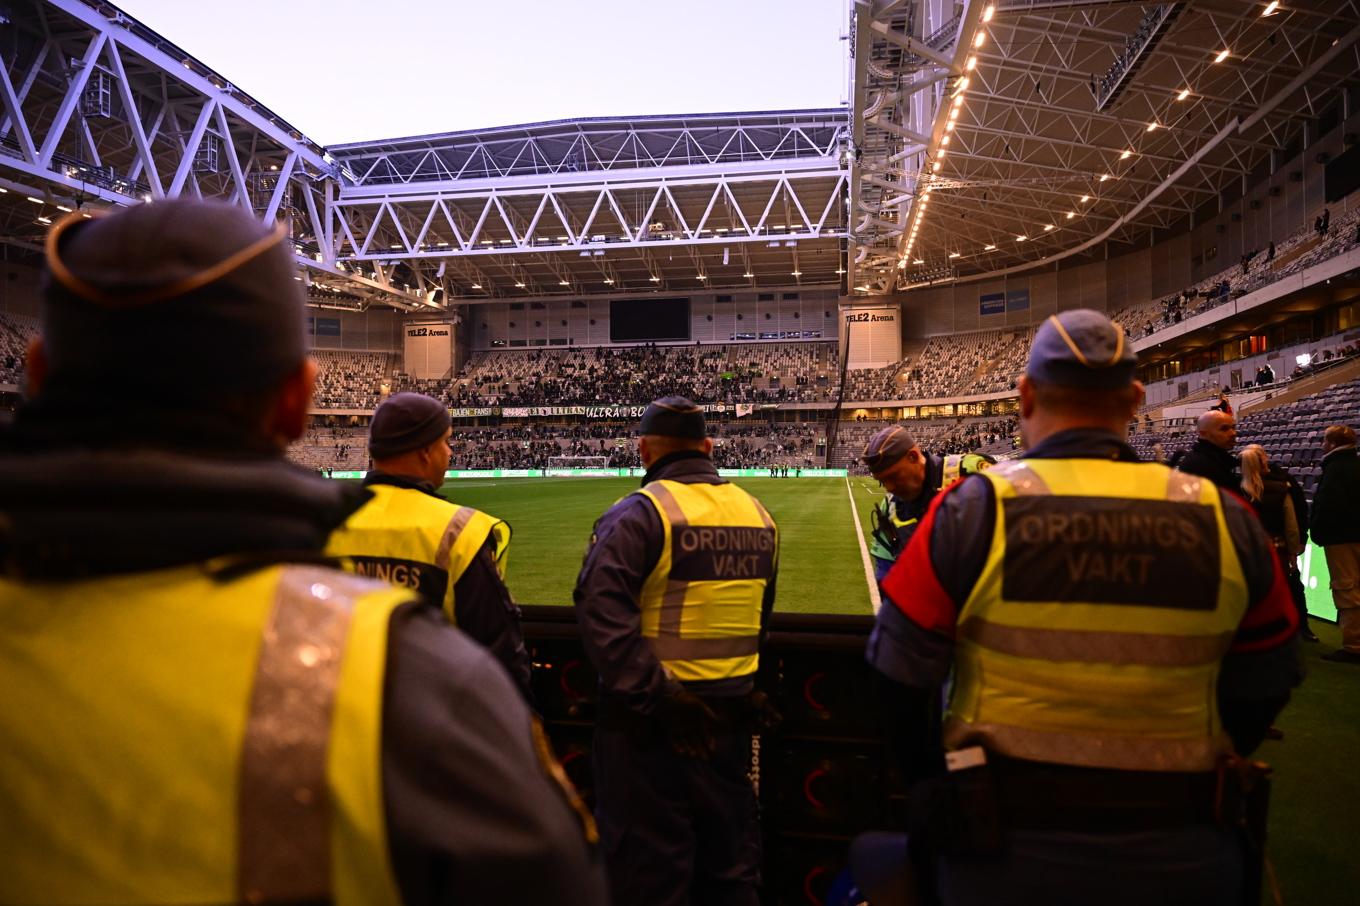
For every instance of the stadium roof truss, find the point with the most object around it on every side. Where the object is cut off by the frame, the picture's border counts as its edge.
(602, 206)
(97, 110)
(1017, 132)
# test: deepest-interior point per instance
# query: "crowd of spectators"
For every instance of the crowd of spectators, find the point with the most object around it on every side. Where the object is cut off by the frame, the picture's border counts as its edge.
(351, 380)
(16, 331)
(533, 445)
(338, 448)
(962, 364)
(635, 375)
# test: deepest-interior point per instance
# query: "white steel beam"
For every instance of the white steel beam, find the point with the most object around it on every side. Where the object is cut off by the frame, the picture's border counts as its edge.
(74, 89)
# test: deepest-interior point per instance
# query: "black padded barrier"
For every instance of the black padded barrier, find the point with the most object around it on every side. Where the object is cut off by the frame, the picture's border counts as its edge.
(839, 763)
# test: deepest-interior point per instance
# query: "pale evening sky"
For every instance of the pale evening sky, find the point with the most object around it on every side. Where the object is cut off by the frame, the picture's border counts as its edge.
(343, 71)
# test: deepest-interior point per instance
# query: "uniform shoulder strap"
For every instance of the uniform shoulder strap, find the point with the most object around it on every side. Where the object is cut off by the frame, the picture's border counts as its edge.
(283, 802)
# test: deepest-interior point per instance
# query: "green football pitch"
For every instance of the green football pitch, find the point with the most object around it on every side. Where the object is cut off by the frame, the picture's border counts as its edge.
(821, 563)
(1316, 789)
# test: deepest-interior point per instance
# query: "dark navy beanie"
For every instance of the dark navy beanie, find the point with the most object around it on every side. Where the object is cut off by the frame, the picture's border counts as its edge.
(673, 416)
(175, 299)
(404, 422)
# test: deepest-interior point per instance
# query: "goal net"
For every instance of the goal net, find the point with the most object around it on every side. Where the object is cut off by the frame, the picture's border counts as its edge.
(578, 462)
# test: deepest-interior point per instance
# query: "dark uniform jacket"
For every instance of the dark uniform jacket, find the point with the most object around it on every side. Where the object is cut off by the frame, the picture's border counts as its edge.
(472, 813)
(949, 550)
(1336, 503)
(1211, 462)
(482, 606)
(911, 511)
(624, 550)
(1279, 473)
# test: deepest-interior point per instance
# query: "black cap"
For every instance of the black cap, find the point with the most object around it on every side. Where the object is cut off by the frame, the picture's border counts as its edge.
(174, 300)
(886, 448)
(674, 416)
(404, 422)
(1081, 348)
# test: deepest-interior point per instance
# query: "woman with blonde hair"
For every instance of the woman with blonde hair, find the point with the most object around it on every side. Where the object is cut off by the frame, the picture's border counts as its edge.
(1267, 490)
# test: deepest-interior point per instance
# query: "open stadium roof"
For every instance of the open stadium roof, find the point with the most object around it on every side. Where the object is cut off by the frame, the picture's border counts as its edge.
(1027, 131)
(1041, 129)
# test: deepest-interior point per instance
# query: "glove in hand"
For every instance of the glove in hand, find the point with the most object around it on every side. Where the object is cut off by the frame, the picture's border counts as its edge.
(689, 724)
(762, 713)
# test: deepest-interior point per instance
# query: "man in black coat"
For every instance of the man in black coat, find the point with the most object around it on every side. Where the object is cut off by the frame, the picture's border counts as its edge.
(1277, 472)
(1337, 529)
(1211, 456)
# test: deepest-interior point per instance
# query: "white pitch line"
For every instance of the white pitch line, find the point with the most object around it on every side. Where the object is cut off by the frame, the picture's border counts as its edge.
(874, 598)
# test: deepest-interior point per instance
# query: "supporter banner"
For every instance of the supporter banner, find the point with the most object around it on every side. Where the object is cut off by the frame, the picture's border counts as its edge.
(1017, 299)
(744, 409)
(992, 304)
(765, 473)
(474, 413)
(610, 411)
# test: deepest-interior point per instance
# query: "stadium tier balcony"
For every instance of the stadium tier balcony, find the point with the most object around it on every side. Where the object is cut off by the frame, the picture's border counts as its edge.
(1303, 249)
(351, 380)
(957, 365)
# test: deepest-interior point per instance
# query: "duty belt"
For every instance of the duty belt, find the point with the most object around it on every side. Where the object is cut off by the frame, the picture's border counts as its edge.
(1038, 796)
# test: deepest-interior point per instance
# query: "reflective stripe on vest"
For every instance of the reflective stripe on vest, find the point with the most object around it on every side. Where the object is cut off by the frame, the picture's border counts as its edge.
(412, 539)
(1094, 634)
(957, 465)
(200, 740)
(701, 604)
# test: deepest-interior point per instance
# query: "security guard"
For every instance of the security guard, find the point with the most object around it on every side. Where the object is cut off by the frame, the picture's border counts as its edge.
(910, 478)
(196, 707)
(1116, 631)
(410, 535)
(672, 600)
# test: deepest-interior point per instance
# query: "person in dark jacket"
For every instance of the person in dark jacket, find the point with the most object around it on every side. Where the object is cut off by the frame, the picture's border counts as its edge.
(687, 551)
(220, 713)
(1278, 500)
(1071, 772)
(1336, 528)
(410, 534)
(911, 477)
(1211, 455)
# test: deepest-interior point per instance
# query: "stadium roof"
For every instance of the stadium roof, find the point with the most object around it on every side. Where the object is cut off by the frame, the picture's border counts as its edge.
(604, 205)
(1077, 123)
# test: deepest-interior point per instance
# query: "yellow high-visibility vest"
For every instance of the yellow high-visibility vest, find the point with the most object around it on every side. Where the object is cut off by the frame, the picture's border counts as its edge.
(1094, 634)
(410, 538)
(701, 604)
(180, 737)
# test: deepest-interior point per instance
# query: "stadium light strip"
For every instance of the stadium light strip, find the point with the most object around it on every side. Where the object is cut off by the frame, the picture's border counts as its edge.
(961, 86)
